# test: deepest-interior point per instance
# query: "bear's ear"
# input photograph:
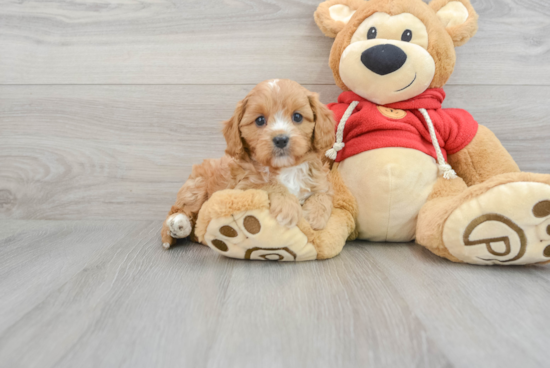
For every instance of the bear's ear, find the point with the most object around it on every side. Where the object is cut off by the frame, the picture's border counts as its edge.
(332, 15)
(458, 17)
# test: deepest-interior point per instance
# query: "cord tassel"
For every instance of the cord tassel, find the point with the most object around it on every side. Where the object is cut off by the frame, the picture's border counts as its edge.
(339, 144)
(444, 168)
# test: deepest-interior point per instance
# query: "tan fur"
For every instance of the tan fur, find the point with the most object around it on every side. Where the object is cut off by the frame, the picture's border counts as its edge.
(482, 159)
(462, 33)
(330, 241)
(227, 202)
(482, 165)
(253, 162)
(447, 188)
(328, 26)
(341, 225)
(207, 178)
(432, 217)
(441, 41)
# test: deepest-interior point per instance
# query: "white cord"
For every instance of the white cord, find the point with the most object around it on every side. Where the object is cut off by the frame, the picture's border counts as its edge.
(339, 145)
(444, 167)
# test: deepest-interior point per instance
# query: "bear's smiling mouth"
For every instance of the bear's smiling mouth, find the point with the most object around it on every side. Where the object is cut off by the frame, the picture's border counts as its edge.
(410, 84)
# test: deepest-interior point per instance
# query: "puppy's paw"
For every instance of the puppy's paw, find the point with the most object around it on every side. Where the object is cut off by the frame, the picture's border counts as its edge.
(317, 221)
(179, 226)
(286, 209)
(317, 210)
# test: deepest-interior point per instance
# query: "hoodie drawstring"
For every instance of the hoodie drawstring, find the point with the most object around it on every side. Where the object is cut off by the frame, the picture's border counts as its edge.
(339, 144)
(444, 168)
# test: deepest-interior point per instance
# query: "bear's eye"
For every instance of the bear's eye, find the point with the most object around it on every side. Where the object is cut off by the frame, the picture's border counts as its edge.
(407, 36)
(372, 33)
(260, 121)
(297, 117)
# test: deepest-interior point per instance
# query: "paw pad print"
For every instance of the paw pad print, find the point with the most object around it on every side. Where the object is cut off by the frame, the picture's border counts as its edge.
(507, 225)
(256, 235)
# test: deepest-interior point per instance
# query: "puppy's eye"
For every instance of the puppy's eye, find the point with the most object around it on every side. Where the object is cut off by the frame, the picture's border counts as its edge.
(297, 117)
(260, 121)
(372, 33)
(407, 36)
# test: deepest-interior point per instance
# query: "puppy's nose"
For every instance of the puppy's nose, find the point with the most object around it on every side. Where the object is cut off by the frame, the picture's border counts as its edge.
(383, 59)
(281, 141)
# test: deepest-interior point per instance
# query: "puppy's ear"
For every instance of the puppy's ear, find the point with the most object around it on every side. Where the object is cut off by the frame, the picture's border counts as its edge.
(232, 132)
(323, 135)
(458, 17)
(332, 16)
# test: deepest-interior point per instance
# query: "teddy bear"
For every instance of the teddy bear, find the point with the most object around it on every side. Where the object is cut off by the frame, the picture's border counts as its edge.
(416, 170)
(404, 168)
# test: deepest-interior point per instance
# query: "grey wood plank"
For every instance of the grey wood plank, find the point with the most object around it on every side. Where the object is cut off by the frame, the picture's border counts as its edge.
(228, 42)
(137, 305)
(122, 152)
(38, 257)
(479, 316)
(345, 312)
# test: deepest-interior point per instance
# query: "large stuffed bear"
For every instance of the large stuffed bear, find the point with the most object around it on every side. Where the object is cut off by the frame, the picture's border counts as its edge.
(404, 167)
(392, 58)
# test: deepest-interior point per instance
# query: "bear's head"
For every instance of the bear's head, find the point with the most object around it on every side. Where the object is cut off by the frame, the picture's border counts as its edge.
(388, 51)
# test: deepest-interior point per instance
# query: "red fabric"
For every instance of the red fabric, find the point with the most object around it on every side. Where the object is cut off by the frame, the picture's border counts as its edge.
(368, 129)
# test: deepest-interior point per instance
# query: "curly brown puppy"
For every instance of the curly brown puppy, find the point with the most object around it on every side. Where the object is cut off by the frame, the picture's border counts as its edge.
(276, 141)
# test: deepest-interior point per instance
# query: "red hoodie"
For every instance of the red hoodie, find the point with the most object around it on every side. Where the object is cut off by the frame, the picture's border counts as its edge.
(401, 125)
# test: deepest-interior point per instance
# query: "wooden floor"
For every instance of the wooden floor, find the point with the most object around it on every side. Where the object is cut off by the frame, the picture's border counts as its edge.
(104, 107)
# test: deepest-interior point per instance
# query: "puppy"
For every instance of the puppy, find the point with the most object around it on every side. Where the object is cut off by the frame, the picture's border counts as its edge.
(276, 142)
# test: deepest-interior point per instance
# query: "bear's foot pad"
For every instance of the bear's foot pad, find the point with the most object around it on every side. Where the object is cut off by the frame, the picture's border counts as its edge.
(507, 225)
(256, 235)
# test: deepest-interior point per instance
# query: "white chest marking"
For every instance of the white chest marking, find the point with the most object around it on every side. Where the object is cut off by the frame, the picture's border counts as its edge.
(297, 180)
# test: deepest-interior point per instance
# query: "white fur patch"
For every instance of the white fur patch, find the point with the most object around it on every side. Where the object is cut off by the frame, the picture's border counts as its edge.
(274, 84)
(281, 123)
(297, 180)
(179, 225)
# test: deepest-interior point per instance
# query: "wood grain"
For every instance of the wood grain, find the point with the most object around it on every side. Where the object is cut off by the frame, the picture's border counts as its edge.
(119, 300)
(501, 311)
(137, 305)
(232, 42)
(121, 152)
(37, 257)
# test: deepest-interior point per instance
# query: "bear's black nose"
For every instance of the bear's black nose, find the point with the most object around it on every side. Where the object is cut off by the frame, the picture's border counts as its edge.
(383, 59)
(281, 141)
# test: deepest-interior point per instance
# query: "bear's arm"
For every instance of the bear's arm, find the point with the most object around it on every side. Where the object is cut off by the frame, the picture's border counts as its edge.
(483, 158)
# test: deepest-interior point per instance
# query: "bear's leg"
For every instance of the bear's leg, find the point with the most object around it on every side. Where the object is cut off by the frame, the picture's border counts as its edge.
(239, 224)
(428, 227)
(504, 221)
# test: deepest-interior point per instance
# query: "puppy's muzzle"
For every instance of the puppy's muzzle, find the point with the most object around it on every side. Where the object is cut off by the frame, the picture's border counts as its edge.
(383, 59)
(281, 141)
